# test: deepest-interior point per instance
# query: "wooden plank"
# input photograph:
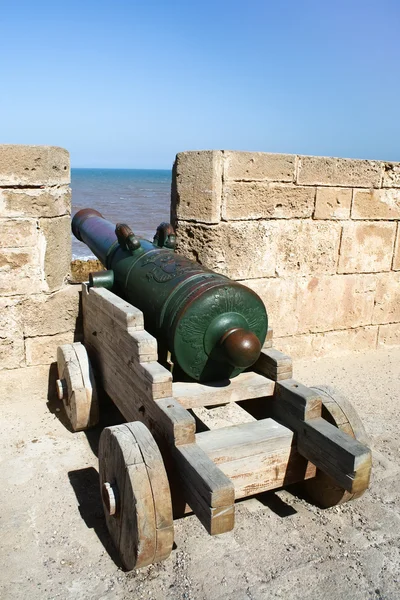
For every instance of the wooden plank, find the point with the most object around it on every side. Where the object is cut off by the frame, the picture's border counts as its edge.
(339, 456)
(220, 519)
(263, 472)
(108, 366)
(275, 358)
(256, 456)
(294, 402)
(177, 423)
(115, 307)
(274, 364)
(134, 388)
(208, 491)
(241, 441)
(132, 344)
(344, 459)
(174, 424)
(243, 387)
(149, 373)
(220, 416)
(280, 376)
(198, 470)
(157, 375)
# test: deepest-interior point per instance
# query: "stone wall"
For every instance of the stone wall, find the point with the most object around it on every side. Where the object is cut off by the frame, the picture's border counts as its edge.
(317, 238)
(38, 309)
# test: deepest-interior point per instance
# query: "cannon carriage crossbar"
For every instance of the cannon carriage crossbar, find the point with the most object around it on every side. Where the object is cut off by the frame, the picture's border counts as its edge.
(213, 412)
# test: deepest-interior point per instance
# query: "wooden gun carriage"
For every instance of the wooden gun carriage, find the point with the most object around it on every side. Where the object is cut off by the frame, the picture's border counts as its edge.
(203, 446)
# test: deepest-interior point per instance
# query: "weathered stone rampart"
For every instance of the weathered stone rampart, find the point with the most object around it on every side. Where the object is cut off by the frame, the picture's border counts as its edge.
(38, 309)
(318, 238)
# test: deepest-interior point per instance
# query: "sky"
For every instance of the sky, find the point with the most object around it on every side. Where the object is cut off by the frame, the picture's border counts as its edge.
(129, 84)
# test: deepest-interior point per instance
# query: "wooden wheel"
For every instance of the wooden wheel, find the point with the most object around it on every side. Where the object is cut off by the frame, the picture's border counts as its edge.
(76, 386)
(339, 412)
(136, 495)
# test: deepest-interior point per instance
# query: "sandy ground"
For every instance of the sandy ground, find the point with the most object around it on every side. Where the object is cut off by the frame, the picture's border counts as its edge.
(54, 543)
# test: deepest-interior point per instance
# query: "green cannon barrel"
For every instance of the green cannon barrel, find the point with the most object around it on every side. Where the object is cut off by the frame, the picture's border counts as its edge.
(214, 327)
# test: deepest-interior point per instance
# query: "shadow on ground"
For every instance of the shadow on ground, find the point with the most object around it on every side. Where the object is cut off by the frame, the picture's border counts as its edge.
(86, 485)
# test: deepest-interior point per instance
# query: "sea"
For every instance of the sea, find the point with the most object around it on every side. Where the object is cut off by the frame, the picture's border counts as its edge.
(140, 198)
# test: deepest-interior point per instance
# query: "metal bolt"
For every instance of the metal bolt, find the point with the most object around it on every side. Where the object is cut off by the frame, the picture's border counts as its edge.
(110, 497)
(62, 390)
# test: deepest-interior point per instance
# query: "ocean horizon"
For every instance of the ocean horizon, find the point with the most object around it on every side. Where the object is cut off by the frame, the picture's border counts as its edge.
(138, 197)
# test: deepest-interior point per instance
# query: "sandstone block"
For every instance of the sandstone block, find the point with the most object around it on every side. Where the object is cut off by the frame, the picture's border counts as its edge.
(197, 187)
(43, 350)
(300, 305)
(238, 250)
(280, 299)
(12, 350)
(336, 343)
(376, 204)
(389, 335)
(366, 247)
(20, 271)
(258, 166)
(329, 343)
(25, 384)
(33, 165)
(306, 247)
(332, 203)
(391, 175)
(296, 346)
(270, 201)
(254, 249)
(49, 314)
(56, 241)
(396, 257)
(47, 202)
(345, 172)
(387, 298)
(334, 302)
(18, 233)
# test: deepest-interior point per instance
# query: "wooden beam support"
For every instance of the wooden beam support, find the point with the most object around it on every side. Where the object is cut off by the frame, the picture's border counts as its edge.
(294, 402)
(337, 454)
(210, 493)
(243, 387)
(256, 456)
(344, 459)
(274, 364)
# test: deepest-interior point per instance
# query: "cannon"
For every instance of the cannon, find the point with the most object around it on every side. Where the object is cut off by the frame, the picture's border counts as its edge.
(213, 413)
(213, 327)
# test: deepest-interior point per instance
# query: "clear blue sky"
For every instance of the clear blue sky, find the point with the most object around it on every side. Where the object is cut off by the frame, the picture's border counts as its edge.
(130, 84)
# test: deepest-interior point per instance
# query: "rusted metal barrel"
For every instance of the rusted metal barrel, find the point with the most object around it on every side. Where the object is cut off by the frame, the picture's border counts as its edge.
(214, 327)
